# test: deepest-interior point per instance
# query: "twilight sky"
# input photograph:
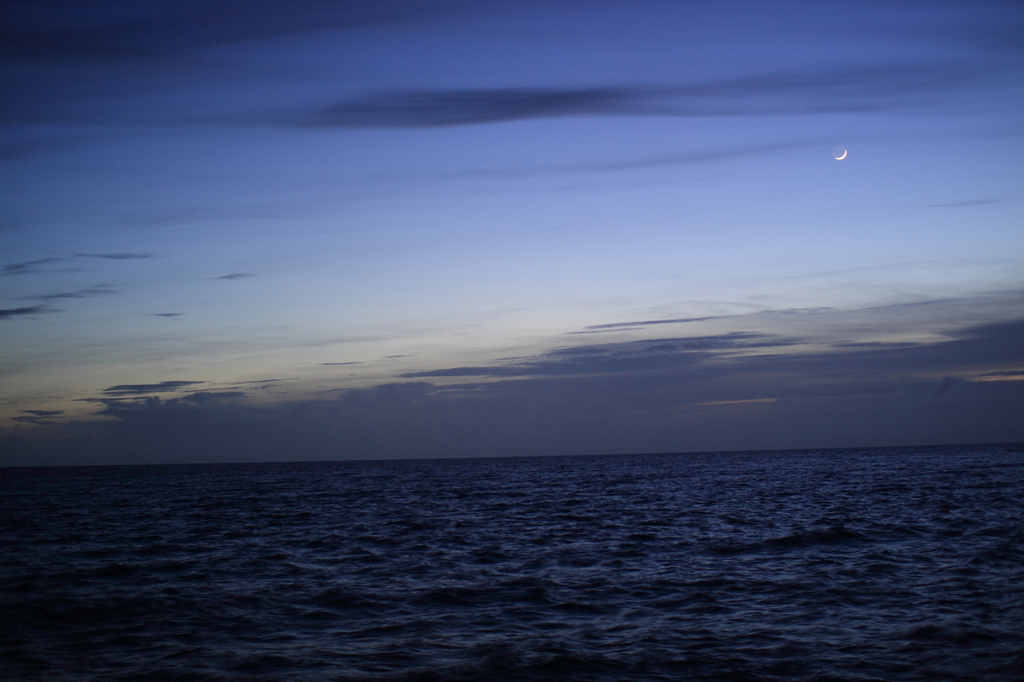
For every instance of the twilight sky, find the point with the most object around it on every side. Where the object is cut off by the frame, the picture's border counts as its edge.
(408, 228)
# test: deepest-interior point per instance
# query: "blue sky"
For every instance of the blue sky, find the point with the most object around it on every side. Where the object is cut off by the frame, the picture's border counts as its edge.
(400, 228)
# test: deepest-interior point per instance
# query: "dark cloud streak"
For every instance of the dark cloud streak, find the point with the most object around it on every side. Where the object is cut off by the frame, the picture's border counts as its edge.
(32, 266)
(89, 292)
(208, 397)
(435, 108)
(119, 32)
(143, 389)
(36, 421)
(35, 266)
(10, 313)
(234, 275)
(863, 89)
(115, 256)
(616, 326)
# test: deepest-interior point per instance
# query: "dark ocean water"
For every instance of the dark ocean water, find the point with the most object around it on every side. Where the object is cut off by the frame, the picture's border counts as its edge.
(876, 564)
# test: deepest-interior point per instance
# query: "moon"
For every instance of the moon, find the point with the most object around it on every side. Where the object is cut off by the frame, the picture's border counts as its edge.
(839, 153)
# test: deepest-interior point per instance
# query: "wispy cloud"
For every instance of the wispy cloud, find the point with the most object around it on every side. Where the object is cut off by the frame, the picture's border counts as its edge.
(619, 326)
(146, 403)
(124, 34)
(640, 324)
(1013, 373)
(33, 266)
(207, 397)
(144, 389)
(433, 108)
(875, 344)
(38, 421)
(689, 158)
(235, 275)
(88, 292)
(39, 417)
(9, 313)
(861, 89)
(258, 381)
(40, 265)
(958, 204)
(57, 58)
(115, 256)
(167, 314)
(631, 356)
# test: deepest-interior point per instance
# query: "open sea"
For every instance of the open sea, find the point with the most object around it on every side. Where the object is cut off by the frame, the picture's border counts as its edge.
(871, 564)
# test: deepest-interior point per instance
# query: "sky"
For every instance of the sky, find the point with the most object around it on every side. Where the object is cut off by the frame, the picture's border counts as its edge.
(237, 231)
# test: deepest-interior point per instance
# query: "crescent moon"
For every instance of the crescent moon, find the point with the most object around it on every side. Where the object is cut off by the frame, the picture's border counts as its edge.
(845, 152)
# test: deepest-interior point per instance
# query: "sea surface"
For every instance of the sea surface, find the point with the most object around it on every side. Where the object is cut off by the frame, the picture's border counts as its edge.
(873, 564)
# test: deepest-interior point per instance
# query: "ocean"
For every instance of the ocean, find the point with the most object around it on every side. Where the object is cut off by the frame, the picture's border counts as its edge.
(867, 564)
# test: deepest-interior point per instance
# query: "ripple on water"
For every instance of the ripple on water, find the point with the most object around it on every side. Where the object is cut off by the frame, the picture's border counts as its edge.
(898, 564)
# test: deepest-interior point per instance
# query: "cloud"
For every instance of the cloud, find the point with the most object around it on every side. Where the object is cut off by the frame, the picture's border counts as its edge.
(167, 314)
(862, 89)
(39, 417)
(123, 32)
(700, 400)
(959, 204)
(631, 356)
(115, 256)
(876, 344)
(35, 266)
(699, 157)
(335, 364)
(640, 324)
(619, 326)
(258, 381)
(235, 275)
(125, 407)
(32, 266)
(142, 389)
(98, 290)
(38, 421)
(208, 397)
(61, 62)
(28, 310)
(433, 108)
(57, 55)
(133, 397)
(751, 355)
